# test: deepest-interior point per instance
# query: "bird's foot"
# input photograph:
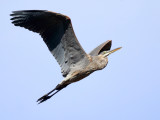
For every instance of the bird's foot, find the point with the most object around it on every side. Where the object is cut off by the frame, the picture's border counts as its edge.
(47, 96)
(51, 93)
(43, 98)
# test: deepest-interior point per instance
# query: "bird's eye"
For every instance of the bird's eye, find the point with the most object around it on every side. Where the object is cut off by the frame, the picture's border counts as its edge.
(104, 52)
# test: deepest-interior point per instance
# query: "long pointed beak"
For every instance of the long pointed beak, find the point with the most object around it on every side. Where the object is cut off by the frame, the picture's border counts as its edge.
(111, 51)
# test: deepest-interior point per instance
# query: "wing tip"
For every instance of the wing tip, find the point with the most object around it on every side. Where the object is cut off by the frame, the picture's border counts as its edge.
(17, 12)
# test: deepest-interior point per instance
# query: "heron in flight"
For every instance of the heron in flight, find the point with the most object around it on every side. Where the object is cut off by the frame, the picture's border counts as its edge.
(58, 34)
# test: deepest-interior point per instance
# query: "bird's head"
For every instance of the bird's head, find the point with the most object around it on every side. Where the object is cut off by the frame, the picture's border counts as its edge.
(107, 53)
(103, 50)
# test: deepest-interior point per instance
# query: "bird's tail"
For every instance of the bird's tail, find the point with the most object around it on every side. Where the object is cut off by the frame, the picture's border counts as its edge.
(51, 93)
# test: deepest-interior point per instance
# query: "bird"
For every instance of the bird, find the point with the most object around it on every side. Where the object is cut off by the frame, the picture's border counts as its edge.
(58, 34)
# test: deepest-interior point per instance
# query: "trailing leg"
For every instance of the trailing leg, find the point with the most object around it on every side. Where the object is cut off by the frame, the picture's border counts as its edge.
(47, 96)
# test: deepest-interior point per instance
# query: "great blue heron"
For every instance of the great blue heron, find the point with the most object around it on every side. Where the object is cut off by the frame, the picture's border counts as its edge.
(57, 32)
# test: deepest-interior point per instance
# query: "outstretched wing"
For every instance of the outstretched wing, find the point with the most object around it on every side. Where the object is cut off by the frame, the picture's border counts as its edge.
(102, 47)
(57, 32)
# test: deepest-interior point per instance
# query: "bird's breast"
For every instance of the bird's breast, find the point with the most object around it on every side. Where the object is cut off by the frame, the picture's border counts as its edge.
(77, 76)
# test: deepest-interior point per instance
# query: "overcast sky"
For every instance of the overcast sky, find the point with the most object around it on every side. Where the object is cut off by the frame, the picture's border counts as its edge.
(127, 89)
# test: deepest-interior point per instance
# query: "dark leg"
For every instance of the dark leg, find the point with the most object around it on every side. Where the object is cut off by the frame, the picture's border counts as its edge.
(48, 96)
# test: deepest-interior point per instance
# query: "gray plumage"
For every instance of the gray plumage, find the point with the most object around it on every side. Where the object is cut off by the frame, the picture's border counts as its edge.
(57, 32)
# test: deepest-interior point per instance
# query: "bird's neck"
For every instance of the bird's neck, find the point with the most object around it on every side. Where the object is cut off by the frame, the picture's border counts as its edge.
(98, 63)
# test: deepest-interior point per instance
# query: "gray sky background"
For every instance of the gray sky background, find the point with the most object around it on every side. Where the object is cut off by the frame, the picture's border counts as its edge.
(127, 89)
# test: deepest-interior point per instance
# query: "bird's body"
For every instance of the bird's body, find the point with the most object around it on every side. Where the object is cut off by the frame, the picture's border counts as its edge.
(94, 65)
(57, 32)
